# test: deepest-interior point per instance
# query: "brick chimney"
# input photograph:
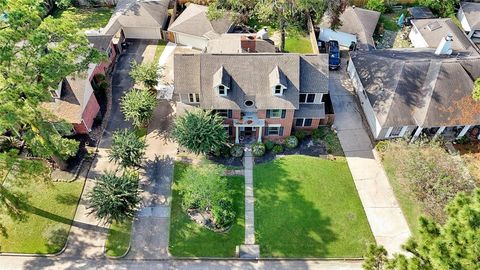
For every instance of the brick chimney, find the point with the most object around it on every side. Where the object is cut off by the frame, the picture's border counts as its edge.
(248, 43)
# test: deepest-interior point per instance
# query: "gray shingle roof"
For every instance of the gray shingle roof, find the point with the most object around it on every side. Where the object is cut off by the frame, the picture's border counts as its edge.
(194, 73)
(416, 87)
(100, 42)
(315, 111)
(443, 27)
(137, 13)
(194, 21)
(421, 12)
(472, 14)
(360, 22)
(232, 43)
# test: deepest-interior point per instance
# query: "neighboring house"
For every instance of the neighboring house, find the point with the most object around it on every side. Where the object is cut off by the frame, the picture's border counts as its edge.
(430, 33)
(357, 25)
(240, 43)
(75, 102)
(469, 17)
(410, 91)
(259, 95)
(193, 28)
(138, 19)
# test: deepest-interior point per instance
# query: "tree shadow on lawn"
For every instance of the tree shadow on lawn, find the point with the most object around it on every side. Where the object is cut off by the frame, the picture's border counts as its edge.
(286, 223)
(189, 239)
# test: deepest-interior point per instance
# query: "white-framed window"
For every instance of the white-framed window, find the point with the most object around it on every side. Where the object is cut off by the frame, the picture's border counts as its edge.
(222, 90)
(273, 130)
(307, 98)
(393, 132)
(223, 113)
(278, 90)
(303, 122)
(275, 113)
(194, 97)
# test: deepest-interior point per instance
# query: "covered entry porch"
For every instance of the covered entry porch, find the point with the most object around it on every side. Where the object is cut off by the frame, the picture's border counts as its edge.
(248, 126)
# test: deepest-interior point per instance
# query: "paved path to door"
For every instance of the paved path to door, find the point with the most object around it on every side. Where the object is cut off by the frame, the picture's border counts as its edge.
(87, 235)
(386, 219)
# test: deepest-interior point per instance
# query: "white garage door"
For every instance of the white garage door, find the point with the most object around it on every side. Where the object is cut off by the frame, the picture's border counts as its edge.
(195, 42)
(142, 33)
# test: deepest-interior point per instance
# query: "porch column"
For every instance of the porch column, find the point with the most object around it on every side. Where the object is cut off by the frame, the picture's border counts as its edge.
(236, 135)
(439, 132)
(417, 133)
(463, 132)
(259, 134)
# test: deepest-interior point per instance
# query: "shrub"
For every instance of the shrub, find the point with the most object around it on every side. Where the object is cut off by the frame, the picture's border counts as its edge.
(258, 149)
(463, 140)
(269, 145)
(377, 5)
(381, 146)
(300, 134)
(316, 134)
(100, 77)
(236, 151)
(277, 149)
(223, 213)
(291, 142)
(103, 86)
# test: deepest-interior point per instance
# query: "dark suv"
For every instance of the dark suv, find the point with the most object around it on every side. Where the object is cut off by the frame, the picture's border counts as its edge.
(333, 54)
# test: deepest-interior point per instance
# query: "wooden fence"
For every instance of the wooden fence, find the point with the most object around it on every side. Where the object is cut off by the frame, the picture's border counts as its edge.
(311, 33)
(361, 3)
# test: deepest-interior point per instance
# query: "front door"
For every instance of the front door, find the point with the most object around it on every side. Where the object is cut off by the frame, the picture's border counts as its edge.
(248, 131)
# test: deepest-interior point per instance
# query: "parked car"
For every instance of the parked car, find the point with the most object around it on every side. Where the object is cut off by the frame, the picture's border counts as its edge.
(333, 54)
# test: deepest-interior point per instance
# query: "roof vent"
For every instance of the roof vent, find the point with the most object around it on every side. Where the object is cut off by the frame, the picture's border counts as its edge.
(433, 26)
(263, 34)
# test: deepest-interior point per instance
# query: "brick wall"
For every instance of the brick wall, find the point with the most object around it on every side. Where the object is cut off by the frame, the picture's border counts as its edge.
(105, 65)
(286, 123)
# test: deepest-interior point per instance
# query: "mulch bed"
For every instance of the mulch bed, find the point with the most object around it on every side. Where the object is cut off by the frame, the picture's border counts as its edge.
(206, 220)
(307, 147)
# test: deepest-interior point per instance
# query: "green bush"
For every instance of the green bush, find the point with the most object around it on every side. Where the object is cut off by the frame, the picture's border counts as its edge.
(236, 151)
(258, 149)
(463, 140)
(223, 213)
(277, 149)
(291, 142)
(103, 86)
(316, 134)
(100, 77)
(377, 5)
(269, 145)
(300, 134)
(381, 146)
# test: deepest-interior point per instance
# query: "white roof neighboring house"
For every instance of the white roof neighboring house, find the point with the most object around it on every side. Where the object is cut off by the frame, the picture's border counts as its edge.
(193, 28)
(427, 33)
(143, 19)
(355, 21)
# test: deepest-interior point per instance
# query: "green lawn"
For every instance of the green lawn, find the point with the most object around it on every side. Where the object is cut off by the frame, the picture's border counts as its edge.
(86, 18)
(158, 51)
(298, 44)
(45, 216)
(118, 239)
(189, 239)
(308, 207)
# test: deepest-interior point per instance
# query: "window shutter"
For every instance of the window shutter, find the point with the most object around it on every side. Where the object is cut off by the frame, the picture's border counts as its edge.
(281, 131)
(229, 114)
(284, 112)
(268, 113)
(265, 133)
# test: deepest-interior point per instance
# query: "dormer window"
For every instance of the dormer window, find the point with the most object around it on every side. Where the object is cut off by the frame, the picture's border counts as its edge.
(222, 91)
(278, 90)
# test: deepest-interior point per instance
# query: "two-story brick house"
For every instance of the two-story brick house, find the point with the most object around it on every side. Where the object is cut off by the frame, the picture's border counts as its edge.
(259, 95)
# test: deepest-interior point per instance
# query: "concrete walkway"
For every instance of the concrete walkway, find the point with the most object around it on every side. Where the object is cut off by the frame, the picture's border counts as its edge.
(249, 249)
(386, 219)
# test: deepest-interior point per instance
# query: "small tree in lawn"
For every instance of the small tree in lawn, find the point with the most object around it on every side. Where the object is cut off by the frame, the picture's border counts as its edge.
(138, 105)
(147, 74)
(127, 149)
(451, 245)
(200, 131)
(476, 90)
(115, 198)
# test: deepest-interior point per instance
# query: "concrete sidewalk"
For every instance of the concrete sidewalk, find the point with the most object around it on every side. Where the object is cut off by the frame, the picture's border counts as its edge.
(386, 219)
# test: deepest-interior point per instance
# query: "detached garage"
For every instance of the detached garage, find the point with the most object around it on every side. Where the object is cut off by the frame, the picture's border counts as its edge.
(193, 28)
(138, 19)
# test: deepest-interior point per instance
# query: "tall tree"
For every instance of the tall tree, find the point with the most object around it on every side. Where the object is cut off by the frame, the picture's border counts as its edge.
(146, 74)
(200, 131)
(35, 55)
(127, 149)
(444, 8)
(137, 105)
(115, 198)
(452, 245)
